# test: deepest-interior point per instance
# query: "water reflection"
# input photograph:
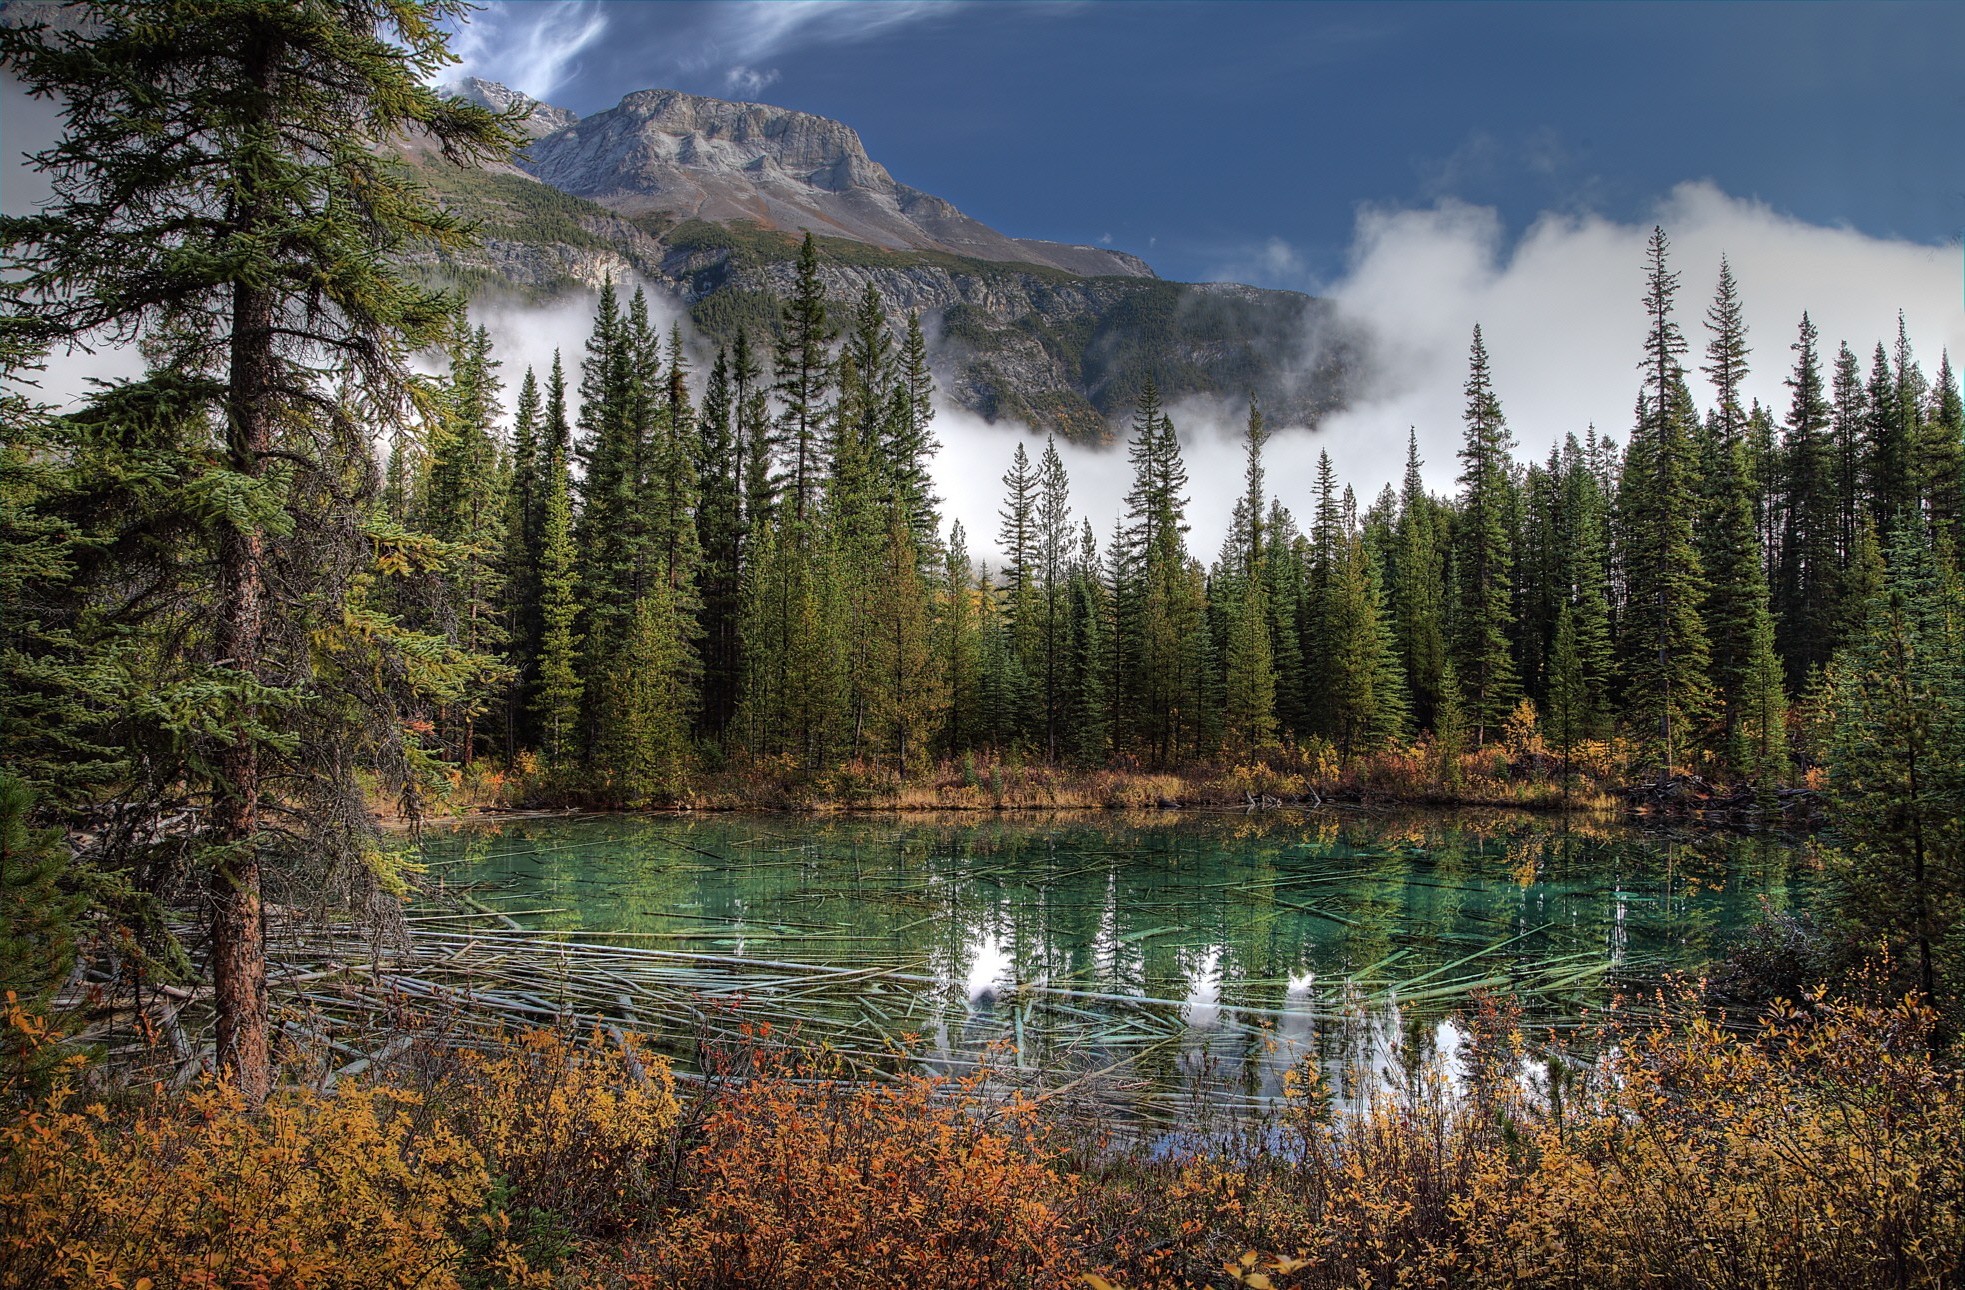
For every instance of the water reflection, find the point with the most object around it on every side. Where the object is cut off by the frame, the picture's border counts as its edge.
(1221, 950)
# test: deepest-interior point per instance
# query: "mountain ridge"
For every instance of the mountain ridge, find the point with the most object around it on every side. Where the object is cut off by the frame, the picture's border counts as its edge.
(709, 199)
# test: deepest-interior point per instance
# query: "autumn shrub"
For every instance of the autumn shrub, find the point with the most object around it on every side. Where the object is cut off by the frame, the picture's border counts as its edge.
(1825, 1148)
(806, 1182)
(349, 1189)
(452, 1173)
(576, 1128)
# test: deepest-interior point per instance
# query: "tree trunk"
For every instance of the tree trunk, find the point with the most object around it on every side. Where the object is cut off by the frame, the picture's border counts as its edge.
(238, 929)
(238, 935)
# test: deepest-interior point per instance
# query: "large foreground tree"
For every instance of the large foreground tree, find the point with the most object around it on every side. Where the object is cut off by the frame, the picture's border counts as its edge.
(223, 195)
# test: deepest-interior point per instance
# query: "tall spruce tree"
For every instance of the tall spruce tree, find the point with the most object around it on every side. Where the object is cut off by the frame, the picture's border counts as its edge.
(805, 382)
(221, 189)
(1667, 654)
(1943, 457)
(1418, 586)
(1248, 652)
(1807, 593)
(720, 523)
(1484, 607)
(1055, 545)
(1737, 613)
(1897, 764)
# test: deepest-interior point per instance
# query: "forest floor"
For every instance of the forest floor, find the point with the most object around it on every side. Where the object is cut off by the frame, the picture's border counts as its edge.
(1488, 779)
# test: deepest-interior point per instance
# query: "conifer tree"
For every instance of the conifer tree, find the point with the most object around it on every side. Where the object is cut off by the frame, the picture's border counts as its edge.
(1666, 641)
(1418, 584)
(1089, 671)
(1484, 609)
(556, 694)
(908, 444)
(1897, 774)
(1588, 580)
(1737, 614)
(1888, 465)
(720, 523)
(1017, 534)
(956, 643)
(805, 382)
(1249, 681)
(1283, 565)
(1807, 592)
(1849, 435)
(1159, 599)
(1943, 458)
(1054, 554)
(643, 751)
(756, 439)
(904, 695)
(465, 505)
(223, 170)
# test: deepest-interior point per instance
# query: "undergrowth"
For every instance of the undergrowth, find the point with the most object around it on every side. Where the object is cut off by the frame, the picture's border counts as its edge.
(1825, 1147)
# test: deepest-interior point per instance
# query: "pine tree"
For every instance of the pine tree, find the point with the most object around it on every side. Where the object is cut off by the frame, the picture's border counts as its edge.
(224, 170)
(1022, 577)
(1159, 599)
(1054, 553)
(1666, 642)
(556, 695)
(521, 559)
(1568, 709)
(805, 382)
(956, 644)
(1889, 465)
(756, 439)
(643, 751)
(1897, 774)
(1249, 682)
(1484, 611)
(1418, 585)
(1589, 580)
(1089, 670)
(1807, 591)
(720, 522)
(910, 444)
(1943, 458)
(466, 506)
(1849, 435)
(1736, 612)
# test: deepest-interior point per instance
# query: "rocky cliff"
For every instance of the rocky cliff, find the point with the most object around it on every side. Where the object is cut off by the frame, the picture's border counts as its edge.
(704, 197)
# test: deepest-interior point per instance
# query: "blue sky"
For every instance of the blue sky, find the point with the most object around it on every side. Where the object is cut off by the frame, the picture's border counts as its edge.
(1241, 140)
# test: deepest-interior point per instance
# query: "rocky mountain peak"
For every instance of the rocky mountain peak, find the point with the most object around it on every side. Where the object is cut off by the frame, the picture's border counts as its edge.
(540, 119)
(696, 157)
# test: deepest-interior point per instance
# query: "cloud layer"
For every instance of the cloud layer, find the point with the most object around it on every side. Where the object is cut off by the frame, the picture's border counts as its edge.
(535, 49)
(1560, 312)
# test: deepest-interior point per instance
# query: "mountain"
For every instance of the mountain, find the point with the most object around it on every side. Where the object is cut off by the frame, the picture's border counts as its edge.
(710, 199)
(701, 158)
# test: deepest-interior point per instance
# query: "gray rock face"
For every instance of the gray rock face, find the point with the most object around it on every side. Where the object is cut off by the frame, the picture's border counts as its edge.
(711, 159)
(1056, 337)
(540, 119)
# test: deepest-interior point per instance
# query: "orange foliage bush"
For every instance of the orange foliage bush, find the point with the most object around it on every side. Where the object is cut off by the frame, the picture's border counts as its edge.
(367, 1186)
(1826, 1149)
(575, 1130)
(343, 1190)
(846, 1185)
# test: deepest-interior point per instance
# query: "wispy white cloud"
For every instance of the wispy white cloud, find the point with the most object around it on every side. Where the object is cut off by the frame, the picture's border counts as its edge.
(748, 82)
(1559, 311)
(535, 49)
(744, 37)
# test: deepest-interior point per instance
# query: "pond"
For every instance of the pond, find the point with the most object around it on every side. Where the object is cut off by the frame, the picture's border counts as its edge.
(1165, 952)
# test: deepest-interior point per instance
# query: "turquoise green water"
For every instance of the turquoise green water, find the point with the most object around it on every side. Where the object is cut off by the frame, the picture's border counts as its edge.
(1165, 945)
